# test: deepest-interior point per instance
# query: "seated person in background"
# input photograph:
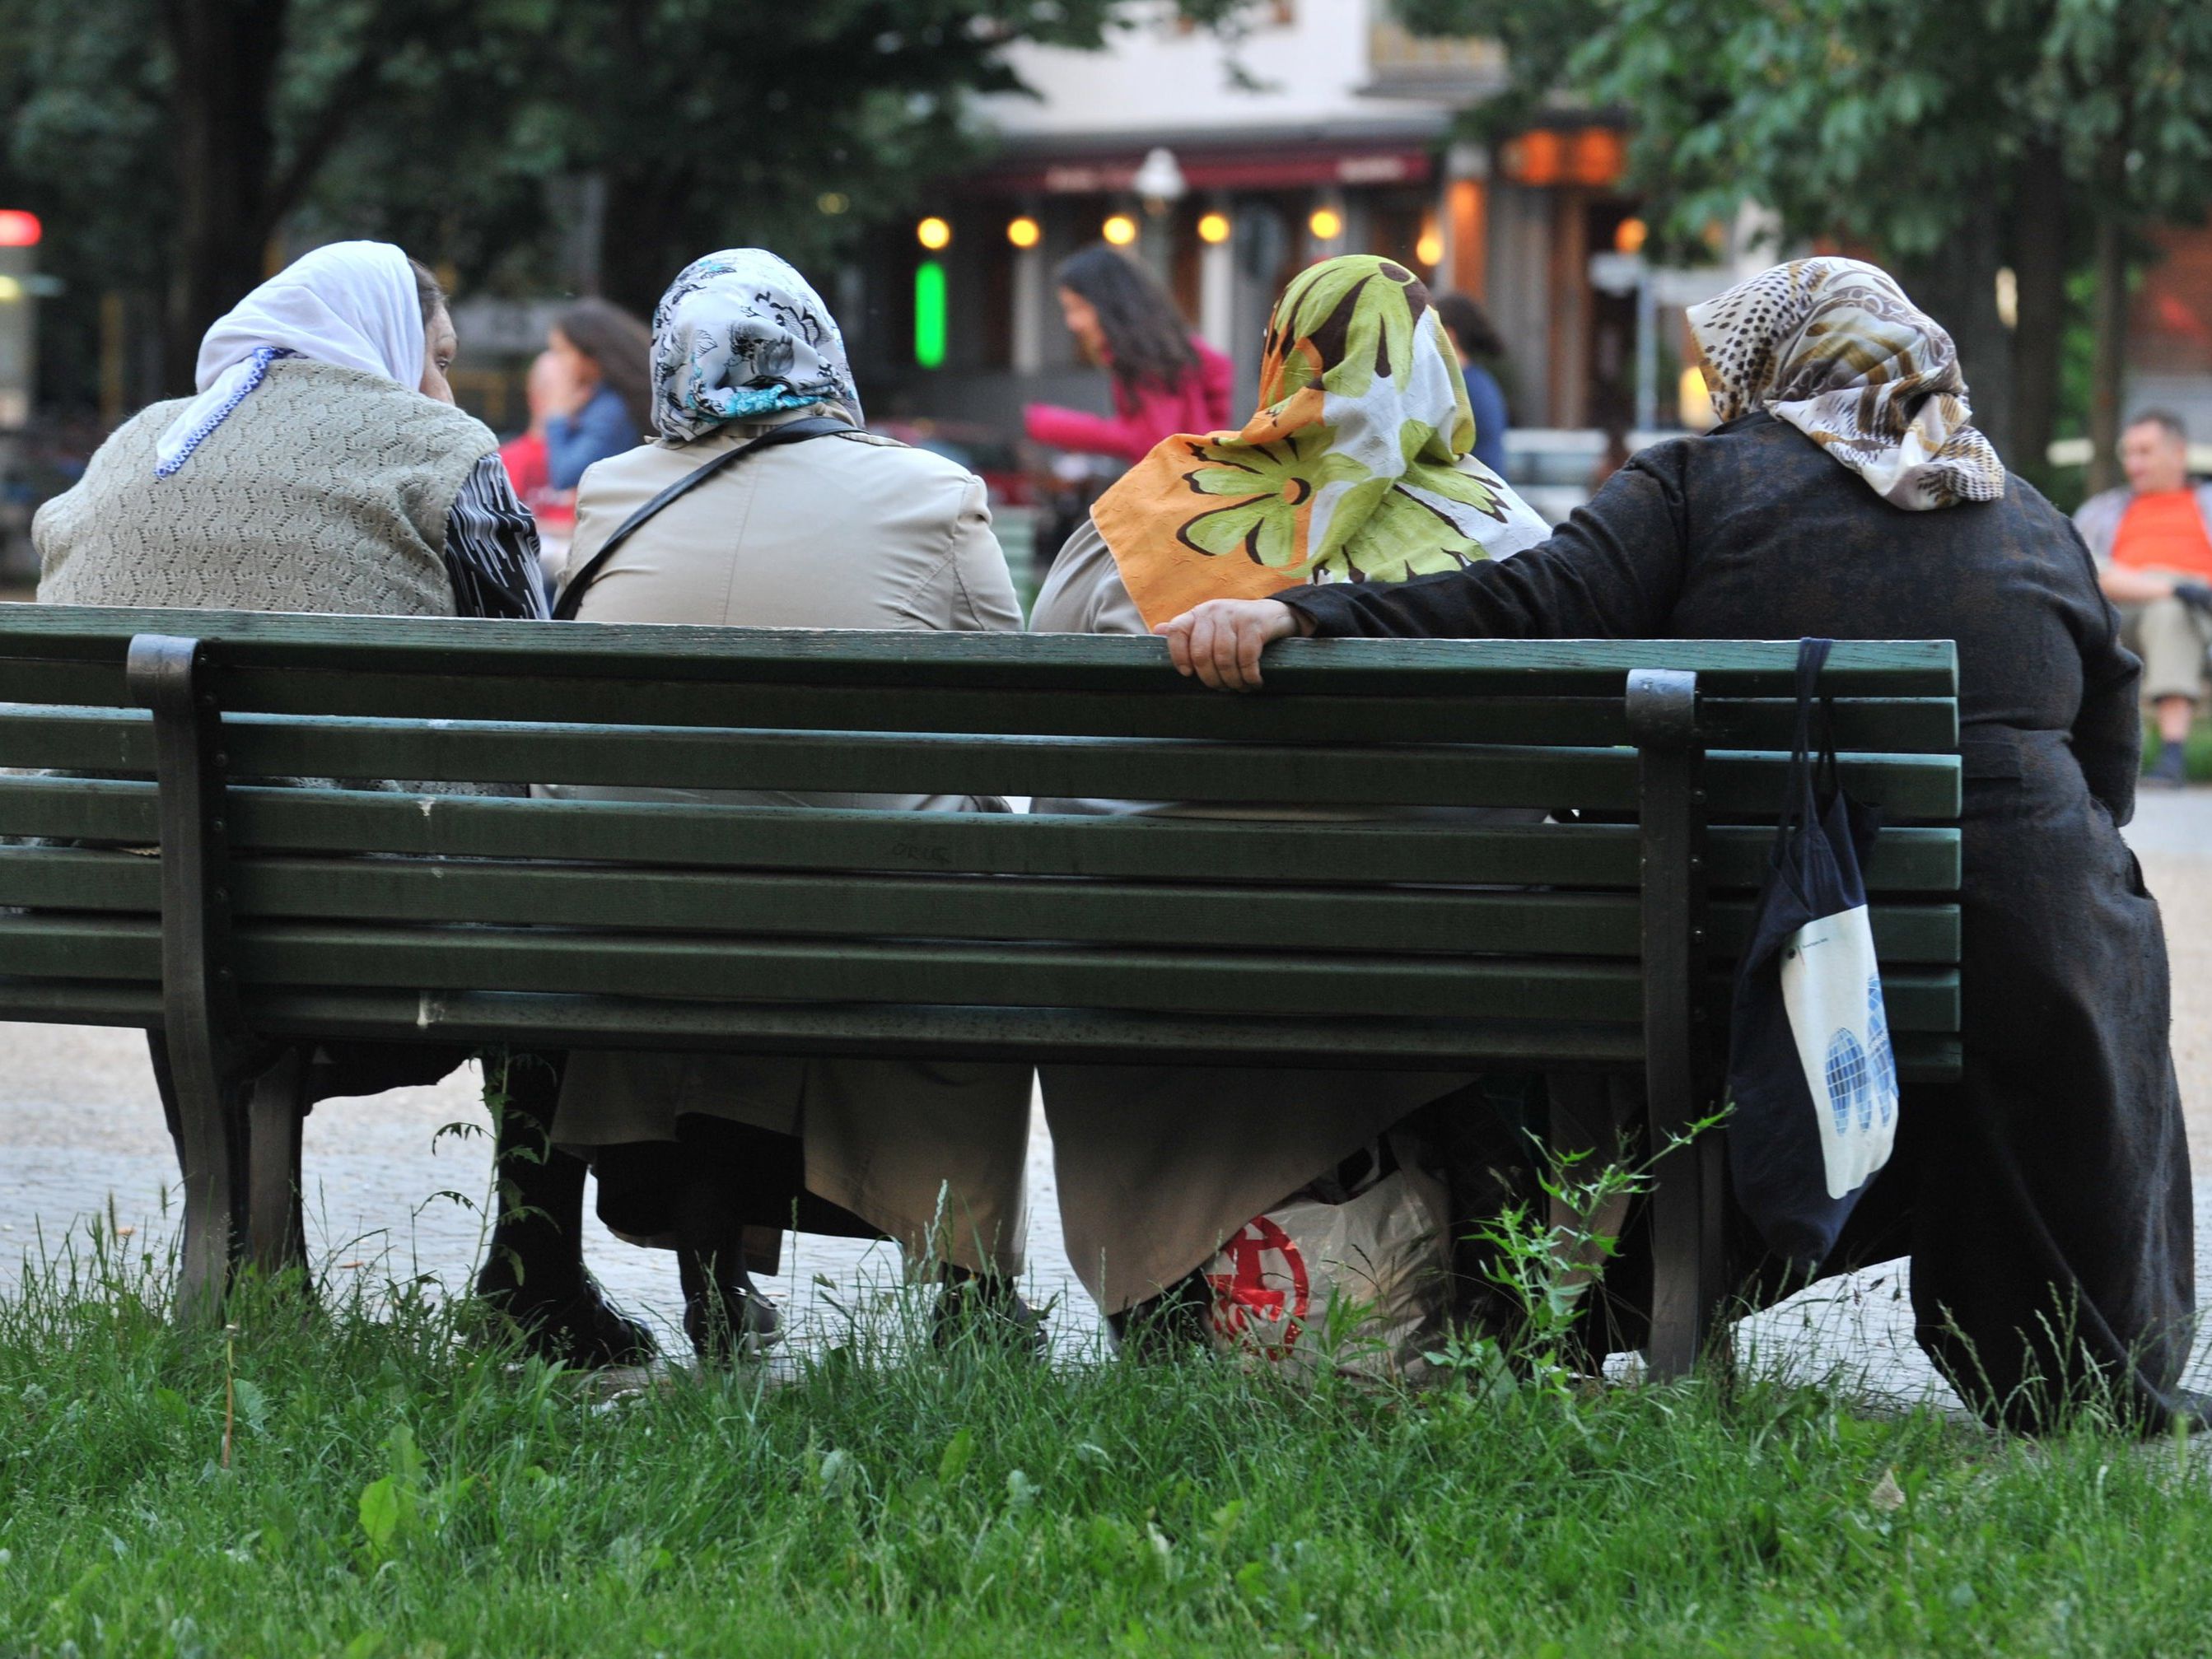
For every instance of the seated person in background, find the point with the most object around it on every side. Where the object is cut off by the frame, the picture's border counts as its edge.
(603, 401)
(2044, 1197)
(1477, 346)
(843, 531)
(2152, 540)
(323, 468)
(524, 457)
(1157, 1165)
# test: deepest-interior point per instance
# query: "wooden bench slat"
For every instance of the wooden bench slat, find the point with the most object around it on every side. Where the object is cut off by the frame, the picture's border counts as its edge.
(1053, 1035)
(846, 904)
(1906, 786)
(1066, 662)
(1903, 725)
(748, 967)
(1906, 859)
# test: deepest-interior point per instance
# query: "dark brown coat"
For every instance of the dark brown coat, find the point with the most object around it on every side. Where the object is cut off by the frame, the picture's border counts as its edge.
(2050, 1187)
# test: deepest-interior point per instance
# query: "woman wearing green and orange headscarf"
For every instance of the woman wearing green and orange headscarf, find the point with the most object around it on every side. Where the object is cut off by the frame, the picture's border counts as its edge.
(1356, 468)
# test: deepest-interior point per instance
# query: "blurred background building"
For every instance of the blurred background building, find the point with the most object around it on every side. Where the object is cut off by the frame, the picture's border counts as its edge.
(1325, 128)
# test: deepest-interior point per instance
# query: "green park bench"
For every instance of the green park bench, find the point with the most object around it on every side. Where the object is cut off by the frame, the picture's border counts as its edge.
(1604, 942)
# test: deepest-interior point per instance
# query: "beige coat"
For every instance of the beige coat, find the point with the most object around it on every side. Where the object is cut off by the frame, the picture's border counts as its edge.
(834, 532)
(1158, 1165)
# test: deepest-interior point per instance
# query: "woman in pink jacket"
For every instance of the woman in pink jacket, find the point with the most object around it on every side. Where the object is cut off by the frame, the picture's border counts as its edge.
(1165, 378)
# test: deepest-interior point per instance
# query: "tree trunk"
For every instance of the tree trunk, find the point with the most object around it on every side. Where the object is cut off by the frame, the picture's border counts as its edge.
(643, 241)
(224, 55)
(2039, 264)
(1958, 287)
(2109, 367)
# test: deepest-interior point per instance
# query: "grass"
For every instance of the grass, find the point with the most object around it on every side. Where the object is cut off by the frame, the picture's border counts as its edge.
(390, 1492)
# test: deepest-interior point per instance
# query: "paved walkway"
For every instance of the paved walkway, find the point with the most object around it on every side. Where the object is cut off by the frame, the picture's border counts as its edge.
(389, 1196)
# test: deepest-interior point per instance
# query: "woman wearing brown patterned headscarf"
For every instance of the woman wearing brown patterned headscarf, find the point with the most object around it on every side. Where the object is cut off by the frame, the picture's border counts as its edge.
(2044, 1197)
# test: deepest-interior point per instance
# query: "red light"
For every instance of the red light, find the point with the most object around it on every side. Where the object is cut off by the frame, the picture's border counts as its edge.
(19, 228)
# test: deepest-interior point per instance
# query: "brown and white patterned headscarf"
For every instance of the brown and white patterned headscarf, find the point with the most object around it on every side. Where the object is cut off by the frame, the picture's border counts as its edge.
(1834, 347)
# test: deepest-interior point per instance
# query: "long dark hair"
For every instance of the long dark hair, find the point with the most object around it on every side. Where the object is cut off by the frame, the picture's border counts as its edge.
(622, 346)
(1148, 339)
(1470, 325)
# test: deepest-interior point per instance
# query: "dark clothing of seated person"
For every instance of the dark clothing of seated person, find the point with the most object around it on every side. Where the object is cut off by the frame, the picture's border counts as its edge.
(322, 467)
(2044, 1197)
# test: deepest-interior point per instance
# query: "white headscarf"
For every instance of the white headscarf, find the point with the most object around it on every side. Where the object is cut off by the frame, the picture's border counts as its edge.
(1834, 347)
(350, 304)
(740, 335)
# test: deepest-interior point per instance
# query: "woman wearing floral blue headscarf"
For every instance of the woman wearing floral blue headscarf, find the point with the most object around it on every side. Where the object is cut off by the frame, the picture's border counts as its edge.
(710, 1153)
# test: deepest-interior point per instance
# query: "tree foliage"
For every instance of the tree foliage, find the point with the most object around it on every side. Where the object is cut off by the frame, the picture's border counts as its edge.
(1938, 135)
(168, 142)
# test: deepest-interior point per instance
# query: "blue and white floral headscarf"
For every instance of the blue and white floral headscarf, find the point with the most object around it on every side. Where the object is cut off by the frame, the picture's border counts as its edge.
(740, 335)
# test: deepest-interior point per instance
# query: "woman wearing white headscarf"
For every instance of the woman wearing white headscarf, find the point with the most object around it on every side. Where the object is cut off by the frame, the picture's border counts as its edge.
(2044, 1198)
(323, 467)
(848, 530)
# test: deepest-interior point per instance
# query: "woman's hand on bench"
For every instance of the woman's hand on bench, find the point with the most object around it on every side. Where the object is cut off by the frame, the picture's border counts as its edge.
(1220, 640)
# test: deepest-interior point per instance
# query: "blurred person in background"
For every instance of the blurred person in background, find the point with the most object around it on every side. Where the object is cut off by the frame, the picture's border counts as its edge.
(323, 468)
(604, 405)
(2152, 539)
(1478, 346)
(1166, 379)
(528, 465)
(712, 1155)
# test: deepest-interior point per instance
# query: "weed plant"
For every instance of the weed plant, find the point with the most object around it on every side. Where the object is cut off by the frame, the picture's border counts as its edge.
(363, 1481)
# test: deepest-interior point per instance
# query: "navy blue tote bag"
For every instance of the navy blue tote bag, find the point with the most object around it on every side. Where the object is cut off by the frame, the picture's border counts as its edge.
(1811, 1073)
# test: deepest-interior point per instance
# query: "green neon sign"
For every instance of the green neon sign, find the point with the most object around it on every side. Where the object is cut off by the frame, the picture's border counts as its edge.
(929, 310)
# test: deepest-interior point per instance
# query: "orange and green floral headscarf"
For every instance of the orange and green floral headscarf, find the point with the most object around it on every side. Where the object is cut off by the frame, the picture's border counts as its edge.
(1355, 469)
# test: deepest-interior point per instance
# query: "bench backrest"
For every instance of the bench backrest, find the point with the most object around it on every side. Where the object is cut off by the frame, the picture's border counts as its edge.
(1407, 940)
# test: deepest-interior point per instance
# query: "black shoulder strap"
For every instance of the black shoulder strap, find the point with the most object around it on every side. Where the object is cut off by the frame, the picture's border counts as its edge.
(791, 432)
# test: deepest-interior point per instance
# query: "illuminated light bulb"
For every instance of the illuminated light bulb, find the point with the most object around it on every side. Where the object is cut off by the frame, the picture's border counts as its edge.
(19, 228)
(1429, 249)
(1630, 236)
(1121, 230)
(1695, 399)
(1024, 231)
(1213, 228)
(934, 234)
(1326, 223)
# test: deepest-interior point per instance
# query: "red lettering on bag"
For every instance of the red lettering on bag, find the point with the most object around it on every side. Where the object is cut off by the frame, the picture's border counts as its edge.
(1267, 1285)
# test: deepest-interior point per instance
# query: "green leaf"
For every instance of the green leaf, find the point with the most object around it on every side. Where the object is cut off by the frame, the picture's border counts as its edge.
(383, 1506)
(959, 1451)
(252, 1404)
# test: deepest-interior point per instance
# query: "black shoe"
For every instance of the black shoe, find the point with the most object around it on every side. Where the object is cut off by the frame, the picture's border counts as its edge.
(1168, 1326)
(985, 1307)
(725, 1314)
(580, 1328)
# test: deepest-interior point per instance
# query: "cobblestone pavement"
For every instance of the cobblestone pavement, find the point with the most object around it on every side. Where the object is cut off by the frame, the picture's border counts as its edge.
(81, 1136)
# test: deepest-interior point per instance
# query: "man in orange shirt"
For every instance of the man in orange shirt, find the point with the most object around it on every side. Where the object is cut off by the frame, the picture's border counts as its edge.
(2153, 545)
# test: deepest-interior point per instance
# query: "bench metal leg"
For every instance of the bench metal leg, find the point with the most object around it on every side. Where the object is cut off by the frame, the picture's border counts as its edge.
(275, 1232)
(201, 1029)
(1686, 1204)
